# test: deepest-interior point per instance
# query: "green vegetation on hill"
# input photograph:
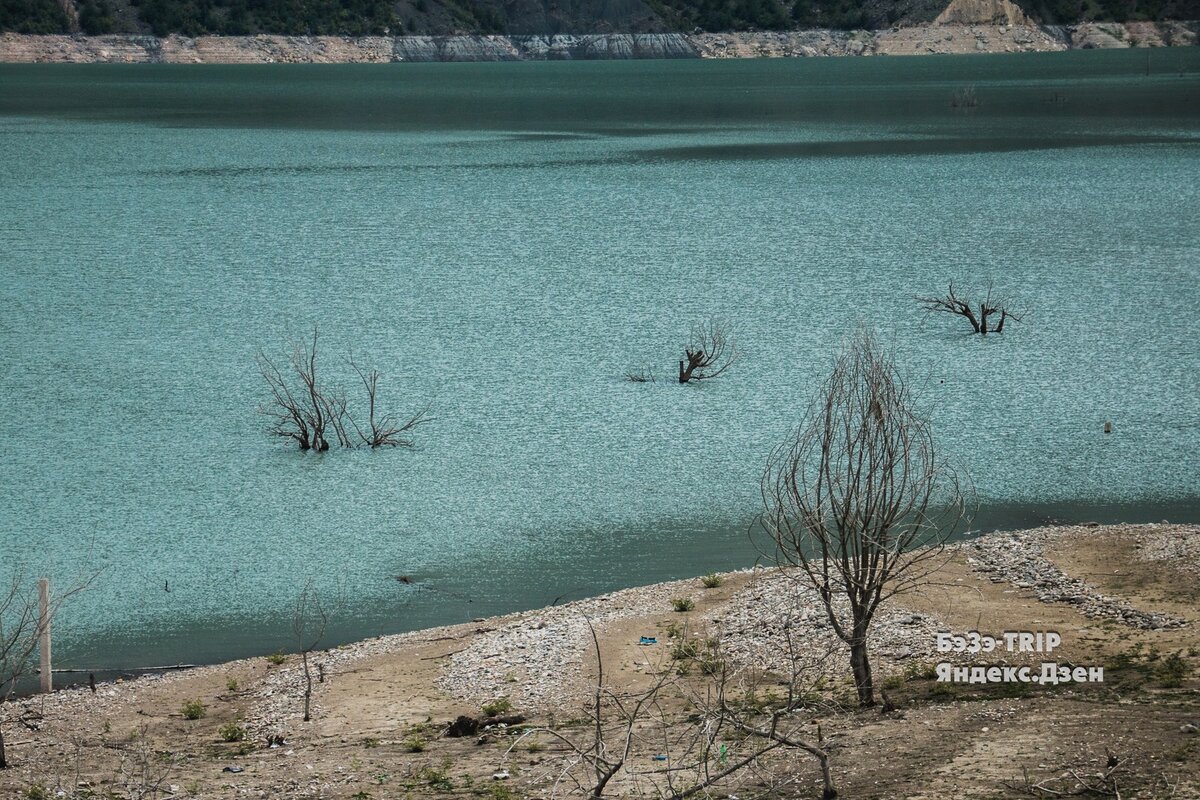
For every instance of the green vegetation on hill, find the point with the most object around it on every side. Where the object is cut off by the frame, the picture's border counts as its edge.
(540, 17)
(246, 17)
(32, 16)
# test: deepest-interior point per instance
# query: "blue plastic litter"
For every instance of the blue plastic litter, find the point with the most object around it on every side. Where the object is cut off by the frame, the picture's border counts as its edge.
(660, 758)
(648, 640)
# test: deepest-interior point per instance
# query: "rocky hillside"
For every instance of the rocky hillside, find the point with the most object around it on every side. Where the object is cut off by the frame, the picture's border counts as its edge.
(910, 40)
(356, 18)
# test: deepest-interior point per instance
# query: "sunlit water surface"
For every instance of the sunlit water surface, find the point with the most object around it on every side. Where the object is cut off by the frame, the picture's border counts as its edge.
(507, 241)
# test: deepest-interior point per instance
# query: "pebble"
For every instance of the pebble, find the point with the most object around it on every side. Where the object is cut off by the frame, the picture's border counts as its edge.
(777, 623)
(1018, 558)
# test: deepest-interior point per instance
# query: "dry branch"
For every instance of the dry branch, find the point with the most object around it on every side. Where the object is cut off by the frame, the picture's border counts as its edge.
(308, 411)
(709, 352)
(977, 313)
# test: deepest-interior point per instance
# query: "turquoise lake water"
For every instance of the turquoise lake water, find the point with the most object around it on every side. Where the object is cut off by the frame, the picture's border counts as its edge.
(505, 242)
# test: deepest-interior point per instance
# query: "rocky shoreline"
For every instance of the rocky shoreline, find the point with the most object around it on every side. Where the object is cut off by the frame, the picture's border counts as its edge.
(537, 657)
(1020, 559)
(386, 699)
(953, 35)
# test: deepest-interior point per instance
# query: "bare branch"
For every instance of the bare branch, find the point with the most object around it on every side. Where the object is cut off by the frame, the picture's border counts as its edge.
(709, 352)
(303, 408)
(976, 313)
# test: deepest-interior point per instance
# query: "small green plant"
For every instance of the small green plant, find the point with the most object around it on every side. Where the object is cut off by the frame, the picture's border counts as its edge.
(920, 671)
(232, 732)
(242, 748)
(1122, 660)
(534, 746)
(497, 706)
(500, 791)
(711, 581)
(370, 743)
(675, 630)
(360, 796)
(435, 777)
(193, 709)
(685, 649)
(892, 682)
(231, 684)
(37, 792)
(415, 744)
(711, 665)
(275, 659)
(682, 604)
(756, 703)
(941, 692)
(1172, 671)
(424, 729)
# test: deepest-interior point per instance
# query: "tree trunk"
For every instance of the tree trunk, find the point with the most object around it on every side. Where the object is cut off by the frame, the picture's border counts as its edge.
(830, 791)
(307, 686)
(861, 666)
(3, 754)
(683, 376)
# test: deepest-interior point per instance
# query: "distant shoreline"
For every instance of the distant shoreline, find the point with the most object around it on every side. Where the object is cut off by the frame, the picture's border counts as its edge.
(924, 39)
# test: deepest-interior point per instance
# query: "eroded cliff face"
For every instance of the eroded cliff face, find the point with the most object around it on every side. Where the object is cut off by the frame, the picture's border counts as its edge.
(971, 26)
(338, 50)
(982, 12)
(563, 47)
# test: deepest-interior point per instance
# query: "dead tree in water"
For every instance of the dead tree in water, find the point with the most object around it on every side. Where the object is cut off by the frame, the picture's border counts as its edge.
(978, 314)
(708, 353)
(859, 499)
(388, 430)
(310, 412)
(299, 414)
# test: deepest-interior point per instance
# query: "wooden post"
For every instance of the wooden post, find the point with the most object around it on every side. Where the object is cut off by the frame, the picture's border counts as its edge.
(682, 379)
(44, 633)
(1108, 427)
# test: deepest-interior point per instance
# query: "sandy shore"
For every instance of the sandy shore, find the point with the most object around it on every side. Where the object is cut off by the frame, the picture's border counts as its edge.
(1106, 588)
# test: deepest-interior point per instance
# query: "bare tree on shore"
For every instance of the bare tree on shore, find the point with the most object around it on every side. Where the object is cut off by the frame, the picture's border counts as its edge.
(22, 624)
(310, 412)
(310, 620)
(977, 312)
(709, 352)
(859, 499)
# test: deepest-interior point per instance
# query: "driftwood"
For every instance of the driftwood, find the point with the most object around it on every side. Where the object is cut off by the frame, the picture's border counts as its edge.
(126, 670)
(469, 726)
